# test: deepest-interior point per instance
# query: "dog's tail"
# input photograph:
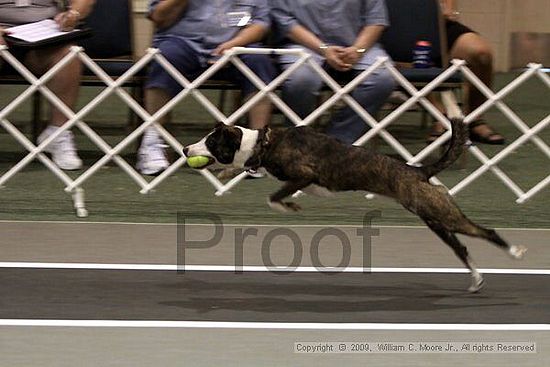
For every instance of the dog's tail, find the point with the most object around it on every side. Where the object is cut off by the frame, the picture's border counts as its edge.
(456, 146)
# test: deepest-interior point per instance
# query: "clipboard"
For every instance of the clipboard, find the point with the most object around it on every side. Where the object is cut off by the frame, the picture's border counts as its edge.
(59, 39)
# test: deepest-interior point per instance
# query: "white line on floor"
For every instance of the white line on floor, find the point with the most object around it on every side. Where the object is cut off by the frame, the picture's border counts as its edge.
(271, 325)
(248, 225)
(261, 268)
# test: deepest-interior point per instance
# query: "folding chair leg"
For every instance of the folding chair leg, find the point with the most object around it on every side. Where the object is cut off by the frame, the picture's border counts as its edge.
(137, 92)
(237, 99)
(221, 99)
(424, 120)
(37, 123)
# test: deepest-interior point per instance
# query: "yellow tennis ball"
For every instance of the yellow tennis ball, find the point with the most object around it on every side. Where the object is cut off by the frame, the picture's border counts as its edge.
(197, 161)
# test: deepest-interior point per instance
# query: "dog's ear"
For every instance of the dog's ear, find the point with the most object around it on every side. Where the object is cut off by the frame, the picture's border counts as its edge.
(231, 132)
(219, 124)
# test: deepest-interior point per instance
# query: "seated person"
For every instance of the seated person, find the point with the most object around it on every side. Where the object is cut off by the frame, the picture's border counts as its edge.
(468, 45)
(191, 35)
(65, 83)
(343, 37)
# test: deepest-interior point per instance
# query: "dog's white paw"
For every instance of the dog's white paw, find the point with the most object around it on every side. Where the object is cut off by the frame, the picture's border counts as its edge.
(477, 284)
(277, 206)
(517, 252)
(298, 194)
(284, 207)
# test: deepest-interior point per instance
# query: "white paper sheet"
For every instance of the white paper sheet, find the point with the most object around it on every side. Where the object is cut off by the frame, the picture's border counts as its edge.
(35, 32)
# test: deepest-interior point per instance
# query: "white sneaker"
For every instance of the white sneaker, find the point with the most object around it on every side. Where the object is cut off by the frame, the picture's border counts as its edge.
(62, 149)
(151, 159)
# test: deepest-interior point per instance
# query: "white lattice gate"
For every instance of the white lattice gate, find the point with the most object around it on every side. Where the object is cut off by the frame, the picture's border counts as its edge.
(190, 88)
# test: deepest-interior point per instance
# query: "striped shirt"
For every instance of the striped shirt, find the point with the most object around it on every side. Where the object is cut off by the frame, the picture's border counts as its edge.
(207, 23)
(11, 15)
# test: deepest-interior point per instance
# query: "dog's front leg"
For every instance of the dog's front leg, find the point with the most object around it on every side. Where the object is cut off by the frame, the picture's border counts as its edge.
(275, 201)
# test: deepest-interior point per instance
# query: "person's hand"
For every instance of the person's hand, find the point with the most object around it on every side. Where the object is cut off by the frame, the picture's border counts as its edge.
(333, 55)
(222, 48)
(350, 55)
(2, 33)
(67, 20)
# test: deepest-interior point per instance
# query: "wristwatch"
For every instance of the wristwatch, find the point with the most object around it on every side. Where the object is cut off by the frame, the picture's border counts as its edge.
(361, 50)
(323, 47)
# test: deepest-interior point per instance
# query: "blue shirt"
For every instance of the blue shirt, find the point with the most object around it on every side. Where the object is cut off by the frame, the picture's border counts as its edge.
(336, 22)
(208, 23)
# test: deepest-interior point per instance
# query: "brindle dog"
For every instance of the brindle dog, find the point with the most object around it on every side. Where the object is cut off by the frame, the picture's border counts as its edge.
(319, 164)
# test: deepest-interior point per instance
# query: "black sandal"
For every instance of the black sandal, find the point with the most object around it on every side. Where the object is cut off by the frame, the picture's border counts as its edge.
(485, 139)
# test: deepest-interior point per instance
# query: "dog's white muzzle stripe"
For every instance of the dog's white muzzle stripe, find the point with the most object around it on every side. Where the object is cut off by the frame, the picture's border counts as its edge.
(246, 149)
(199, 148)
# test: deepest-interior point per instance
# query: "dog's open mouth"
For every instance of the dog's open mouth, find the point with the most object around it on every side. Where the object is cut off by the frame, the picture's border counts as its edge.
(199, 161)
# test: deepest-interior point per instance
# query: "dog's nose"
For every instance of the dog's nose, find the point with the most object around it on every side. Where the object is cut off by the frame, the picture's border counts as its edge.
(186, 151)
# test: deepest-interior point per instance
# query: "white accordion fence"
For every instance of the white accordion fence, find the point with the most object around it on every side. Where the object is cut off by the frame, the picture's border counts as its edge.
(377, 128)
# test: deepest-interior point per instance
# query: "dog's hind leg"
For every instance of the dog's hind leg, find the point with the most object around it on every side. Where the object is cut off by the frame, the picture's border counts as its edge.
(439, 207)
(275, 201)
(475, 230)
(461, 251)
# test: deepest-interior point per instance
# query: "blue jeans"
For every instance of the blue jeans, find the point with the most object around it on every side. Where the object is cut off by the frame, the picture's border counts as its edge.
(301, 89)
(191, 64)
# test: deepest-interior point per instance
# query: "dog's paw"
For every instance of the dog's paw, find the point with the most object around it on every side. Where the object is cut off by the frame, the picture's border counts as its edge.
(319, 191)
(277, 206)
(229, 173)
(292, 206)
(517, 252)
(284, 207)
(477, 284)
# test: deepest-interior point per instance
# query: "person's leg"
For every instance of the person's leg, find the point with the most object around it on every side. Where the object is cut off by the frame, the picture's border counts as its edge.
(301, 89)
(261, 65)
(347, 126)
(478, 54)
(154, 99)
(159, 89)
(160, 86)
(65, 84)
(151, 158)
(259, 115)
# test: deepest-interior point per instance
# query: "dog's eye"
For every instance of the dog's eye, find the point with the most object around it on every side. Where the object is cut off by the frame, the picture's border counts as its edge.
(213, 140)
(209, 144)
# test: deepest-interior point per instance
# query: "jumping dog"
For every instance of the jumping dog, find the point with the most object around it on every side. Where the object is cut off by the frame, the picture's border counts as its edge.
(318, 164)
